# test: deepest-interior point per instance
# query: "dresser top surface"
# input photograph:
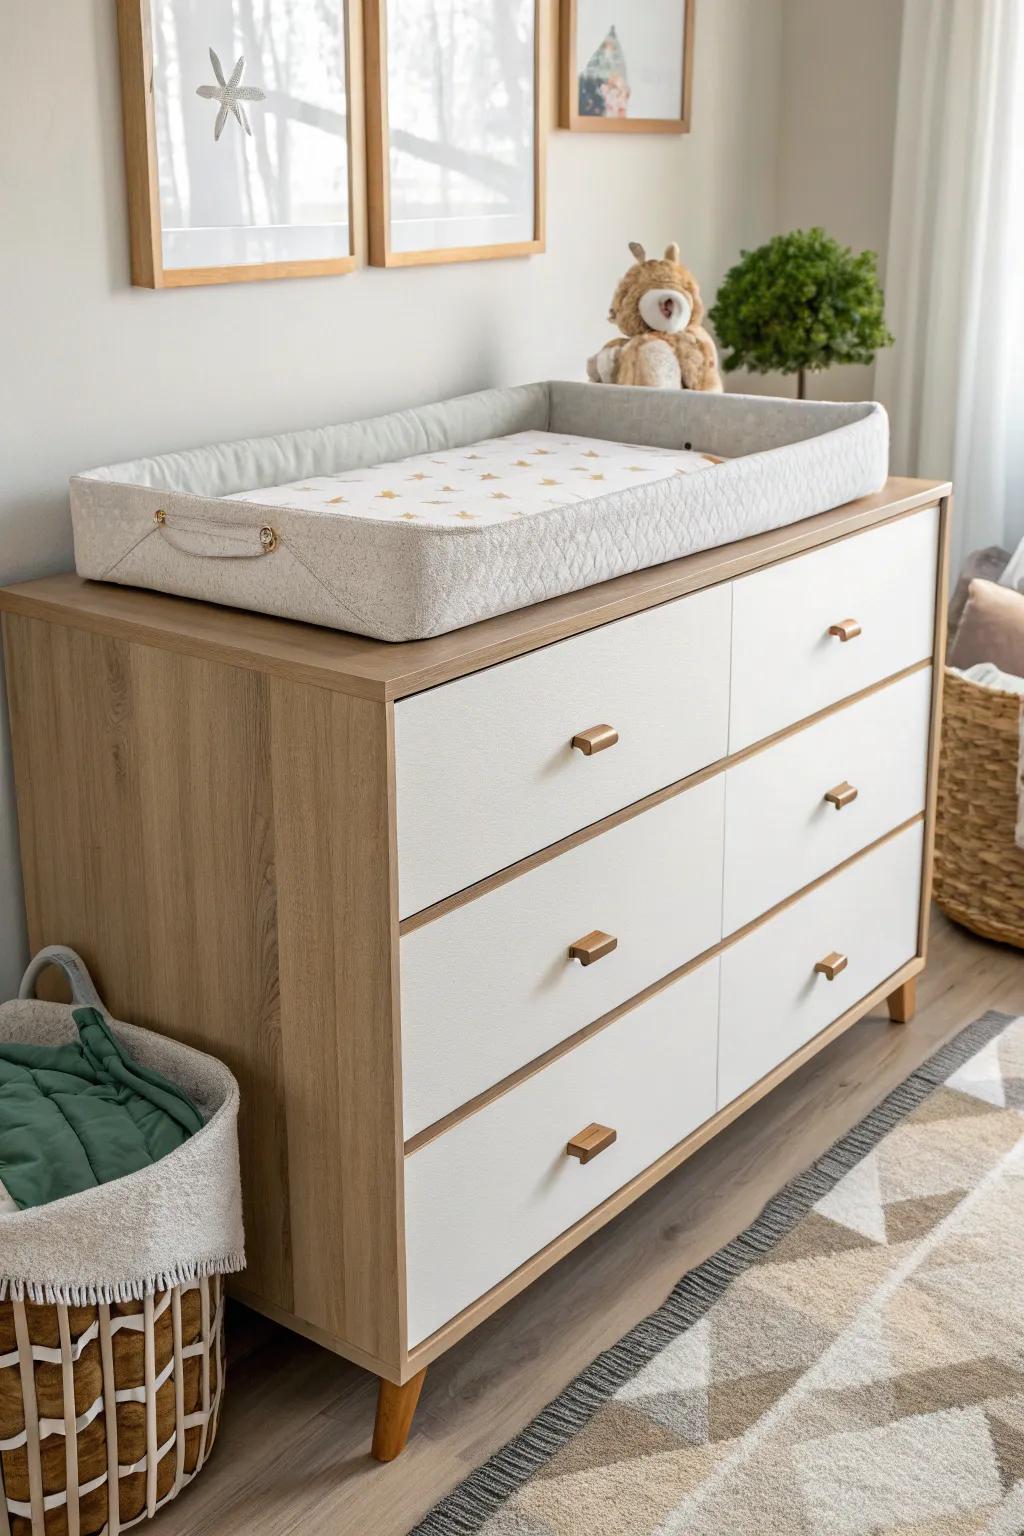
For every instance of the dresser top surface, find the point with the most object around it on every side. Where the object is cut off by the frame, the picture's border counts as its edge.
(376, 669)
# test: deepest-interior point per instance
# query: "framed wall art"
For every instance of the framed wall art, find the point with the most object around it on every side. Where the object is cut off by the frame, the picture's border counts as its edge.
(627, 65)
(454, 124)
(238, 118)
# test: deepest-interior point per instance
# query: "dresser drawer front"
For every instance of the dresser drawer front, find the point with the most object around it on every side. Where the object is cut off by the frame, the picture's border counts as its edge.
(772, 1000)
(499, 1186)
(491, 985)
(781, 833)
(485, 771)
(787, 666)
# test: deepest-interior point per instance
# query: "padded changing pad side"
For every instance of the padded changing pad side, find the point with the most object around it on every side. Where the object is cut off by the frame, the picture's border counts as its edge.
(400, 581)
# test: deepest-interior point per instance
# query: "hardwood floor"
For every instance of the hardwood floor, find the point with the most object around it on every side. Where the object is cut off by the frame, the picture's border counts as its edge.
(293, 1453)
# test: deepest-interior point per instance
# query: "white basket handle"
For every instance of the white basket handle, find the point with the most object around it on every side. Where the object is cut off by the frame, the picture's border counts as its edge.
(83, 988)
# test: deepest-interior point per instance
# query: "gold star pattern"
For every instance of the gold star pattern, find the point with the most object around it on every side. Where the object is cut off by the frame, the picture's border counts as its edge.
(470, 517)
(541, 452)
(450, 488)
(409, 517)
(591, 454)
(500, 496)
(551, 482)
(521, 464)
(387, 495)
(420, 476)
(490, 477)
(336, 501)
(597, 477)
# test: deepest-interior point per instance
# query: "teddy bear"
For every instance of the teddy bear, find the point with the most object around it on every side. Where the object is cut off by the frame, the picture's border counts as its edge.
(657, 307)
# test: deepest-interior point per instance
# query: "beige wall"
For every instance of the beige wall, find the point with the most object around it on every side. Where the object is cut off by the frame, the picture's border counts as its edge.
(838, 117)
(96, 371)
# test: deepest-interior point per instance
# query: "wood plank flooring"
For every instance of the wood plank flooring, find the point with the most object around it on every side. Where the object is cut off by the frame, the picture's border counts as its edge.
(293, 1450)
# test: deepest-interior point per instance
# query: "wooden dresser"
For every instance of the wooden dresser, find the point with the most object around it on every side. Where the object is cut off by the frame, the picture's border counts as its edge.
(495, 929)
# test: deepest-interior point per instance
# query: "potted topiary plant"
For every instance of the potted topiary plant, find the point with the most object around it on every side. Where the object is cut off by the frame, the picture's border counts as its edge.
(801, 302)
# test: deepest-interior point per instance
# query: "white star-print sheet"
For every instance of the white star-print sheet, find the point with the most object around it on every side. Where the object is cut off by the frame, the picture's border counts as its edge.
(496, 481)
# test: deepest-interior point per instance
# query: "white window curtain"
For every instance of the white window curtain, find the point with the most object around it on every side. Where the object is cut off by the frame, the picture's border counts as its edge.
(954, 382)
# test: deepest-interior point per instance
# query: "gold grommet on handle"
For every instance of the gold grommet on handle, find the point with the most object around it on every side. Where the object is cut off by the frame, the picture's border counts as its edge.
(268, 539)
(160, 517)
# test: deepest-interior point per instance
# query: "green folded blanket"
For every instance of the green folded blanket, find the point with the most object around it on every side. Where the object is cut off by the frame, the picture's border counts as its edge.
(77, 1115)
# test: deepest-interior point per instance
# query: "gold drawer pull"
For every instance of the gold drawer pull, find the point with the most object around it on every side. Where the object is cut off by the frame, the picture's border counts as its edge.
(831, 965)
(595, 1139)
(596, 739)
(593, 946)
(846, 629)
(843, 794)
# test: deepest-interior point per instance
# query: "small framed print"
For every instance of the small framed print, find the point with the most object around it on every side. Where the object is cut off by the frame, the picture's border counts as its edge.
(238, 142)
(627, 65)
(454, 129)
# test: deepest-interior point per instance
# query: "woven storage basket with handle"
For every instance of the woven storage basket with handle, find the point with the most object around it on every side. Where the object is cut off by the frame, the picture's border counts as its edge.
(979, 870)
(115, 1381)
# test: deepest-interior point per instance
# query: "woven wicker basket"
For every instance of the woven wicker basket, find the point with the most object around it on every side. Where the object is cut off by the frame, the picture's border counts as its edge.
(979, 871)
(160, 1362)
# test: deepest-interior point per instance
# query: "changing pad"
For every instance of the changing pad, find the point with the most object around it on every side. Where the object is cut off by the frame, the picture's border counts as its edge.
(339, 526)
(491, 482)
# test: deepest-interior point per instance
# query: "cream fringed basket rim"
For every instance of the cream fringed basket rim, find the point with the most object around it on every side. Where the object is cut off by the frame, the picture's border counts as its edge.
(979, 870)
(115, 1389)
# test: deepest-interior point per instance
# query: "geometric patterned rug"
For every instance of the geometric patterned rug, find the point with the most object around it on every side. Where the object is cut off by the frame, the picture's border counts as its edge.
(851, 1365)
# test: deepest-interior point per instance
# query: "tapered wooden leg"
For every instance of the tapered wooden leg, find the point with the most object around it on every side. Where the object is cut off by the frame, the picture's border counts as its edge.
(395, 1409)
(903, 1002)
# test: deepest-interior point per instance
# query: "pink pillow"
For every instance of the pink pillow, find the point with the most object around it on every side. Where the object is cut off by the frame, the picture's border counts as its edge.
(992, 629)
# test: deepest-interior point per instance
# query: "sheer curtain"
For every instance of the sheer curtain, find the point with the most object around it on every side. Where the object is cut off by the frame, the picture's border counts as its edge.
(954, 382)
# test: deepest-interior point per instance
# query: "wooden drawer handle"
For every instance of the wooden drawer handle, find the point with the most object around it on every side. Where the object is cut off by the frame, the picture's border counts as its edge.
(593, 946)
(596, 739)
(846, 629)
(843, 794)
(595, 1139)
(831, 965)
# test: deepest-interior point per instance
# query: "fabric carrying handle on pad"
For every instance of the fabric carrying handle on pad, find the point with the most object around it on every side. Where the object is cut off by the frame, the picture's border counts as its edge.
(240, 543)
(83, 988)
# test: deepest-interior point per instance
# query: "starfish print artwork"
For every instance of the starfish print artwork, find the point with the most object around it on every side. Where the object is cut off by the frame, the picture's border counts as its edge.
(231, 94)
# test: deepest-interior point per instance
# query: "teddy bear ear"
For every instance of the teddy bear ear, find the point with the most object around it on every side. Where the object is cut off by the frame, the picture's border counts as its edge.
(638, 250)
(672, 252)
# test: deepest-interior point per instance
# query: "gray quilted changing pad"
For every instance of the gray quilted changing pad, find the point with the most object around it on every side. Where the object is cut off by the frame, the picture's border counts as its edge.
(192, 524)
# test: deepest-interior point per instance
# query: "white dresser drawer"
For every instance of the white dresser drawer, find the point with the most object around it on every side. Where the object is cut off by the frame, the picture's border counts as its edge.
(485, 772)
(499, 1186)
(780, 831)
(491, 985)
(787, 666)
(772, 1000)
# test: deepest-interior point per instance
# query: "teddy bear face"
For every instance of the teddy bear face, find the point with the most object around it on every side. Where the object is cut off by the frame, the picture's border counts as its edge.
(658, 295)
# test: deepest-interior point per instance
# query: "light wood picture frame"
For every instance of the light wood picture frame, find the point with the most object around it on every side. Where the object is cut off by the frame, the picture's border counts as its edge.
(613, 53)
(463, 148)
(226, 115)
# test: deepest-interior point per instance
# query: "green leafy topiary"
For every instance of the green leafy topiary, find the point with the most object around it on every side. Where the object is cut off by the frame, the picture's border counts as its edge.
(801, 301)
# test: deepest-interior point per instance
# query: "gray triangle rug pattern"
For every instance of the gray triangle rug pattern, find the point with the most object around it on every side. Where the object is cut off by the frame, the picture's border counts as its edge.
(850, 1365)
